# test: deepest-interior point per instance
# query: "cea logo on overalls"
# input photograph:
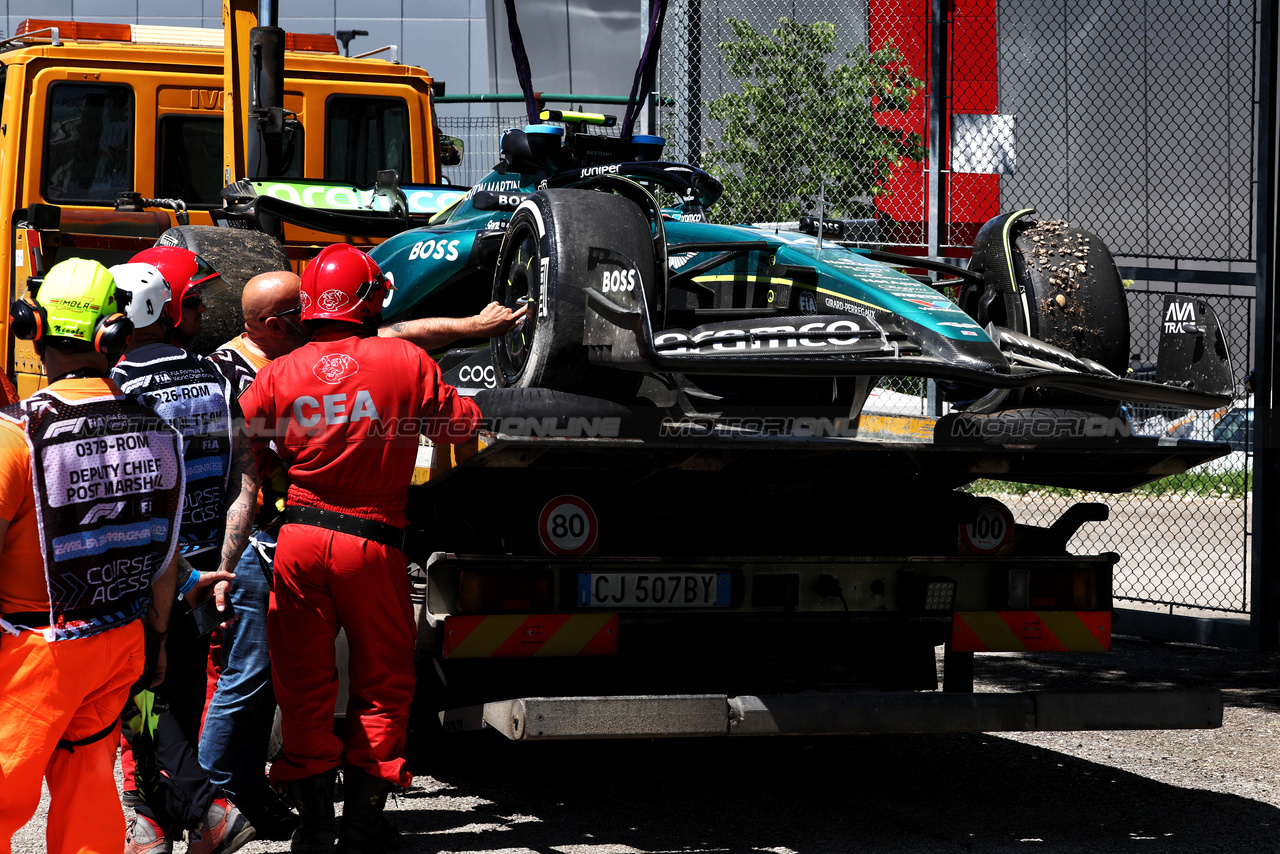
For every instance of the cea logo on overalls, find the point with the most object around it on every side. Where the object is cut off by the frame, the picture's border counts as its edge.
(334, 408)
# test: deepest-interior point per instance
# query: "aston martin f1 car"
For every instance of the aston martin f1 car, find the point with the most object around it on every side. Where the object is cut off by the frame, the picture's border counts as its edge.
(633, 293)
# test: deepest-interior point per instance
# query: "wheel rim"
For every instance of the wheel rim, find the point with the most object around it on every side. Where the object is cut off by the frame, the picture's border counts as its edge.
(520, 279)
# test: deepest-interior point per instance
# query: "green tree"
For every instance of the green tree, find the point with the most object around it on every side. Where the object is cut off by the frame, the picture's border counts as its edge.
(800, 120)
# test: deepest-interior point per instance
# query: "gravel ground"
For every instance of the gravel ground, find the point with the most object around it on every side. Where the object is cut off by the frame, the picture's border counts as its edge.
(1184, 791)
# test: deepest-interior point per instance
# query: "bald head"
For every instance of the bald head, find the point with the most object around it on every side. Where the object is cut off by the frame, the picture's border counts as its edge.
(265, 297)
(270, 293)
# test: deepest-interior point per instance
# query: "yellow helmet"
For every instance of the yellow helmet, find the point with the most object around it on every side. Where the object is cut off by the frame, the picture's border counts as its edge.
(77, 302)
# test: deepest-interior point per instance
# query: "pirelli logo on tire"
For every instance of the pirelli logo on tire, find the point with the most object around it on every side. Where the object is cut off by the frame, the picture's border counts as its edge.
(529, 635)
(1031, 631)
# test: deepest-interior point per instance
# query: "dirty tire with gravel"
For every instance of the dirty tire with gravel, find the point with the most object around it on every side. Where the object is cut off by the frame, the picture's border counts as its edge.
(238, 255)
(1075, 296)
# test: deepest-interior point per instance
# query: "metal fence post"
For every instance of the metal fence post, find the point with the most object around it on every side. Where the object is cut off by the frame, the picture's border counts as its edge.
(937, 122)
(938, 148)
(1265, 578)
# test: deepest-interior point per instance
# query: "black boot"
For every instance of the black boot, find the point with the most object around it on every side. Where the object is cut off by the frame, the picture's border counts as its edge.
(364, 830)
(317, 828)
(267, 813)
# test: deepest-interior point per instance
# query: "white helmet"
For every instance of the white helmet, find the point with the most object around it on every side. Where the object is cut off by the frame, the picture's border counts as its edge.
(142, 292)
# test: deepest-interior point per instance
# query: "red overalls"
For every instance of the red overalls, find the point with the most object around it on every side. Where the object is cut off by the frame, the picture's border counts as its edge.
(347, 409)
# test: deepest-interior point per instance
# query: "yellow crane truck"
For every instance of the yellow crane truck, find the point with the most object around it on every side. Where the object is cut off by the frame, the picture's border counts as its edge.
(114, 133)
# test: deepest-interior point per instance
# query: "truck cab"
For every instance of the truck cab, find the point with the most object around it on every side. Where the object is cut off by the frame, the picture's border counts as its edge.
(92, 111)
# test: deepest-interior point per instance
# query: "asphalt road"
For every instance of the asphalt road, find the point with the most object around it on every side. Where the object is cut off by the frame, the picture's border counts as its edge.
(1188, 791)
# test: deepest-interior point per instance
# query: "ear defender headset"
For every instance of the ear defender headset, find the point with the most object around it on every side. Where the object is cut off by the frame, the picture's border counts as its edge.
(26, 319)
(79, 291)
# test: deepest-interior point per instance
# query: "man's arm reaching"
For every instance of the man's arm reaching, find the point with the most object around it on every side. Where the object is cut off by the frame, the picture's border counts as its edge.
(432, 333)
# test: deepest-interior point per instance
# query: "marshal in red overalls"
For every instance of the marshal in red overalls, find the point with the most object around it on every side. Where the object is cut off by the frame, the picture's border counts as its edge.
(348, 407)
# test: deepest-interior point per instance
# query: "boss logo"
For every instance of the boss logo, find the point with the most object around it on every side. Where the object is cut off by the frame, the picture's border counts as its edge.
(440, 250)
(618, 281)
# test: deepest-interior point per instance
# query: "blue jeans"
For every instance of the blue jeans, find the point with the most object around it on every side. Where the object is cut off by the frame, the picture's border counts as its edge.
(237, 726)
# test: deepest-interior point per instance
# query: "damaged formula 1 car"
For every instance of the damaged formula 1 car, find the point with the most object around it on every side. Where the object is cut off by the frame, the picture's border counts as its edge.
(635, 297)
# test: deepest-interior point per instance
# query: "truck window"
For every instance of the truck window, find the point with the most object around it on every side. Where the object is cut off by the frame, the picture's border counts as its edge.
(364, 135)
(88, 148)
(189, 165)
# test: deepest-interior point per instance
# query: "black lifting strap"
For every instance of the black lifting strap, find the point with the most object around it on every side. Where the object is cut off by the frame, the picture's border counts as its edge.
(642, 87)
(523, 74)
(66, 744)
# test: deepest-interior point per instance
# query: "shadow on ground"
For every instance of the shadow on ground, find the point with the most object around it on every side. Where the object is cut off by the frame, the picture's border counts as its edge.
(1247, 679)
(874, 793)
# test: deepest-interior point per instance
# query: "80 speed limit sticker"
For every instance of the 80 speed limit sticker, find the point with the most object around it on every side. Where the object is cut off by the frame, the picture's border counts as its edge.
(991, 532)
(568, 526)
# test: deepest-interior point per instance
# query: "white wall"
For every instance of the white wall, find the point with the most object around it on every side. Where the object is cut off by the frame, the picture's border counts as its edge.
(590, 46)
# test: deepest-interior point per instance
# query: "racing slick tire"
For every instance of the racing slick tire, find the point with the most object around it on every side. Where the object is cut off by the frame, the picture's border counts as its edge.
(238, 255)
(1075, 296)
(1068, 293)
(546, 258)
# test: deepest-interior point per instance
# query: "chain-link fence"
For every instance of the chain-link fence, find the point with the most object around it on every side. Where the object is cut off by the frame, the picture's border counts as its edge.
(1184, 541)
(798, 107)
(480, 136)
(1134, 121)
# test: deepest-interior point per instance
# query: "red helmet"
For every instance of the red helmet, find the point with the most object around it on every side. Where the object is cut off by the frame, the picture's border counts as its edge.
(343, 283)
(184, 270)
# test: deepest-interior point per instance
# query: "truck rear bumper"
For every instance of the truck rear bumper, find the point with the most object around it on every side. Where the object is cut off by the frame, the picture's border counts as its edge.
(655, 716)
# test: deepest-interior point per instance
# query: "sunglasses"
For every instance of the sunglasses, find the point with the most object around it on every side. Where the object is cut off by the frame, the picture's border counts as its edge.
(204, 272)
(297, 309)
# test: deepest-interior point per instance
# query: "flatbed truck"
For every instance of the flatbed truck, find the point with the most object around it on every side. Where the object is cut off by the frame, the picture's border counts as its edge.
(574, 587)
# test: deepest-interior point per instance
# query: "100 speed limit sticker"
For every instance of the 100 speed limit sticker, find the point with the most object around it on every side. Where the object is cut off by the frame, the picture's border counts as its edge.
(992, 530)
(568, 526)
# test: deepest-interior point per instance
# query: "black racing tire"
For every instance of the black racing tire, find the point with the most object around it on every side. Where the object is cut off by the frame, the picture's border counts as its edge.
(1033, 426)
(546, 257)
(238, 255)
(1075, 298)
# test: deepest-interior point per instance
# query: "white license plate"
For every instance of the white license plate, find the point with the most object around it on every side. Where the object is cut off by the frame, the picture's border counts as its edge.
(653, 590)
